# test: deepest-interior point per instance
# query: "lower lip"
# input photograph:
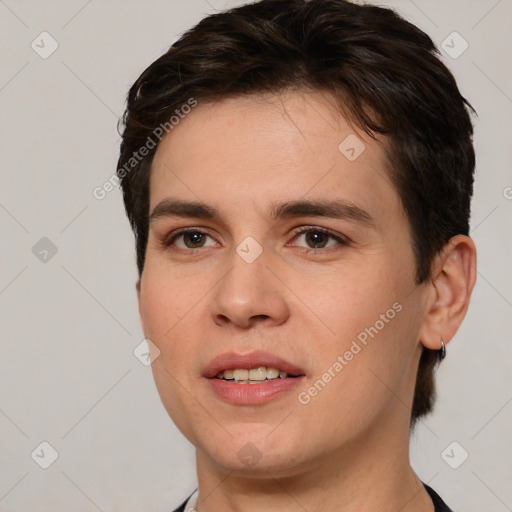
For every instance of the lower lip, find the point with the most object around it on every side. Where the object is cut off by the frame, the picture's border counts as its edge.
(252, 394)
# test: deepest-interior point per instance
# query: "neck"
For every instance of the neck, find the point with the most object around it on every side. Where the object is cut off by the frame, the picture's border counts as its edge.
(372, 474)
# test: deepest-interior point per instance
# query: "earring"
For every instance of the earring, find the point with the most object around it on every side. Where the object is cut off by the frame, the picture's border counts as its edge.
(442, 351)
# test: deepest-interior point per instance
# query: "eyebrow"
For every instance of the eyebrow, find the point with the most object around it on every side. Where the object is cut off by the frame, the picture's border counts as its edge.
(336, 209)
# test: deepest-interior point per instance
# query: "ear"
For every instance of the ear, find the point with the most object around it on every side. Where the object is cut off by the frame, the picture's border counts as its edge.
(138, 288)
(450, 287)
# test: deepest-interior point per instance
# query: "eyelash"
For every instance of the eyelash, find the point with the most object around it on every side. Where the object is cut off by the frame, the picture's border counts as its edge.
(342, 240)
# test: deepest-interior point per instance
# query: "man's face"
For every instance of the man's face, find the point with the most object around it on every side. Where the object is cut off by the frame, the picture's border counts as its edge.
(302, 261)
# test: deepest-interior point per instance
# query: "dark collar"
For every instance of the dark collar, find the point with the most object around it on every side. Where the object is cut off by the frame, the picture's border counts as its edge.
(439, 504)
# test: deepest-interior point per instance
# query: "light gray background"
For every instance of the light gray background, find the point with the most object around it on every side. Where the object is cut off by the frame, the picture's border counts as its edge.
(69, 325)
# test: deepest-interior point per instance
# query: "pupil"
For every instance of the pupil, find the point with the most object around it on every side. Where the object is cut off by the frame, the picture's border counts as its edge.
(195, 238)
(317, 238)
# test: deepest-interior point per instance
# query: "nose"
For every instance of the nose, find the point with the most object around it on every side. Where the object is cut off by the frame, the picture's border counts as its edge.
(250, 293)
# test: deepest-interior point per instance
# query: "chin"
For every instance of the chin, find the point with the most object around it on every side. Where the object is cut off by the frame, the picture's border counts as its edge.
(254, 455)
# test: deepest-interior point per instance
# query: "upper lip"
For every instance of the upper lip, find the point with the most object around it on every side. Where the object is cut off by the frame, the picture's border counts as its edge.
(232, 360)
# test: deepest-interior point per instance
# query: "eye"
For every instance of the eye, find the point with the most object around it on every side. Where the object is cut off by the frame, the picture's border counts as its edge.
(319, 238)
(189, 239)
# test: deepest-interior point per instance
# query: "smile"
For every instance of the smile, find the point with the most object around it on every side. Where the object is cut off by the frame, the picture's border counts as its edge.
(252, 375)
(269, 377)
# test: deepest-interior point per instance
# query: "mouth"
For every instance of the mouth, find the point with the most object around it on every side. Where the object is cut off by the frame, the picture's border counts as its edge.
(253, 375)
(251, 367)
(250, 379)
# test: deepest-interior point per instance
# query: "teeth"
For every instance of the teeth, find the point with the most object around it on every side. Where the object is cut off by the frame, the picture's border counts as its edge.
(272, 373)
(252, 376)
(241, 374)
(259, 373)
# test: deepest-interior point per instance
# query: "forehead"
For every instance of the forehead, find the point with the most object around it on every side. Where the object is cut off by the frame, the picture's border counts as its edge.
(263, 149)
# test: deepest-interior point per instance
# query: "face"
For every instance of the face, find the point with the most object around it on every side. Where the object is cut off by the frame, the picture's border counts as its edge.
(277, 240)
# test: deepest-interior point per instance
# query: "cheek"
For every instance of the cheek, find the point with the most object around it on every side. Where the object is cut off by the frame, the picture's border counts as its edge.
(166, 312)
(363, 358)
(351, 300)
(164, 303)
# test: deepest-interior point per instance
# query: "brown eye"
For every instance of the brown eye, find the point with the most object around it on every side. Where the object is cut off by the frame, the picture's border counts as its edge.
(193, 239)
(316, 239)
(190, 239)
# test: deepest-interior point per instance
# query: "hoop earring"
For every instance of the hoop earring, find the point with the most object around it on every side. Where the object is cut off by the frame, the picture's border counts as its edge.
(441, 354)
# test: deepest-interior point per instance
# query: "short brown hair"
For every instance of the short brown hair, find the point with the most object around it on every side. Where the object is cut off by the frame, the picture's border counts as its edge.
(386, 77)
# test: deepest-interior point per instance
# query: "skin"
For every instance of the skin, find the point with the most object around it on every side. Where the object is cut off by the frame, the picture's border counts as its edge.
(347, 449)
